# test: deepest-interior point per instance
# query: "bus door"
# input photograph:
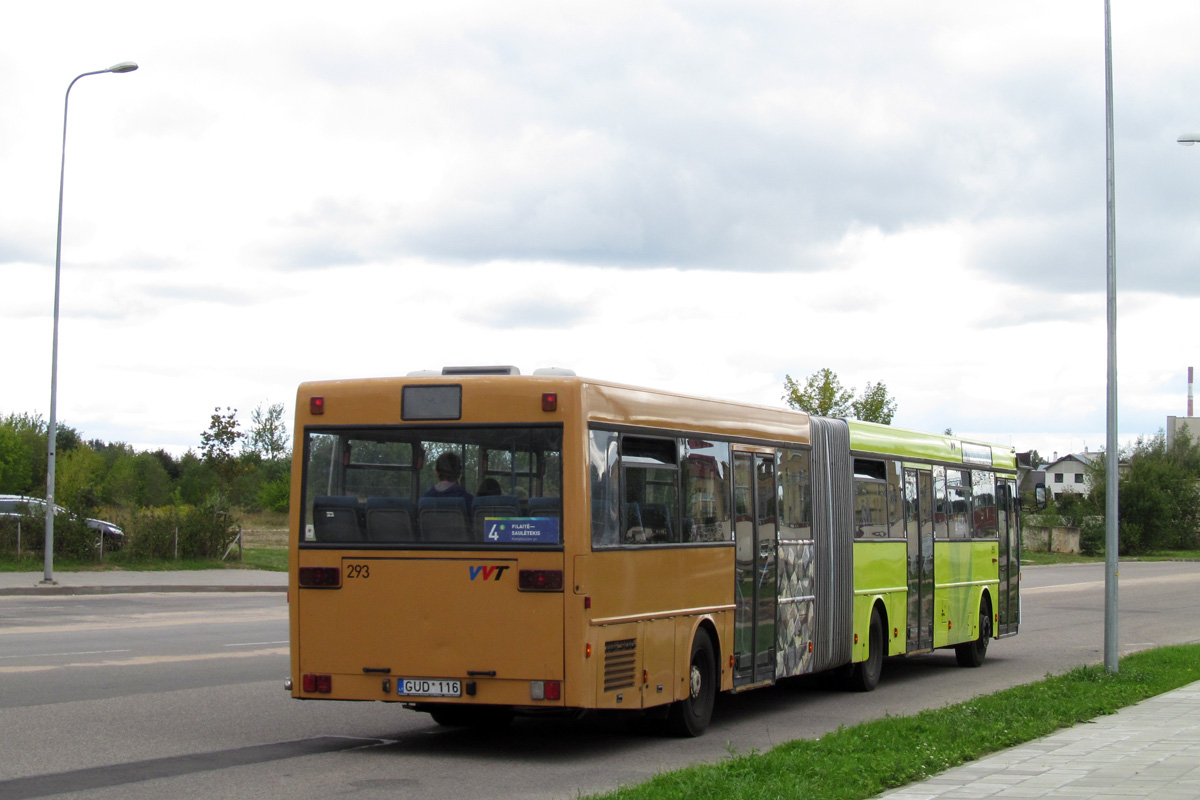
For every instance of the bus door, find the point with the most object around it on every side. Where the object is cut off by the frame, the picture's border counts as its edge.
(1009, 600)
(918, 515)
(755, 536)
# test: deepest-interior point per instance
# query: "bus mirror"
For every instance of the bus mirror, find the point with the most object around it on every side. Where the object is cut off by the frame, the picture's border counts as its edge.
(1039, 494)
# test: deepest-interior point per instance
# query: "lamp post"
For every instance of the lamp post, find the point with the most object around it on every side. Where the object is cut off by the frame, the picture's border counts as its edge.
(1188, 139)
(1111, 484)
(52, 433)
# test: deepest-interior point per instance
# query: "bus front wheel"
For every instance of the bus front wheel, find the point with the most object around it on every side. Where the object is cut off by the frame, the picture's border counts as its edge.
(864, 675)
(690, 716)
(971, 654)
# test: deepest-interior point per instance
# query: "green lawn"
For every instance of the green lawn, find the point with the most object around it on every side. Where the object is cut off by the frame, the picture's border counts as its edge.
(865, 760)
(1033, 559)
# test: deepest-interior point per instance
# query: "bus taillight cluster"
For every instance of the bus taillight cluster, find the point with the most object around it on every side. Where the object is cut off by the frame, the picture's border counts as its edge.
(545, 690)
(319, 577)
(540, 580)
(317, 684)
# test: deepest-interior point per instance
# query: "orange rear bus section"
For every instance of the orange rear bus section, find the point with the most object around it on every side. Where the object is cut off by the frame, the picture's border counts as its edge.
(395, 622)
(478, 543)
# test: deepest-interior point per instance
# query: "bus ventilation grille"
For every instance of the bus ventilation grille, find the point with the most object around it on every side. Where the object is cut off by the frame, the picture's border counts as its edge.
(620, 664)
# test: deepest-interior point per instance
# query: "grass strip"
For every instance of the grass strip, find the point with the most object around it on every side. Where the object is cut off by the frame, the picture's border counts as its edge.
(865, 760)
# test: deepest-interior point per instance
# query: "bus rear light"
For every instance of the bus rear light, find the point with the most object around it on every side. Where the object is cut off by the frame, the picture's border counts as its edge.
(545, 690)
(317, 684)
(316, 405)
(540, 580)
(550, 401)
(319, 577)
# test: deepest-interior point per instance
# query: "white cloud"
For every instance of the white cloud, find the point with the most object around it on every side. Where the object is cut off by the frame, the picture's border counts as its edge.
(701, 197)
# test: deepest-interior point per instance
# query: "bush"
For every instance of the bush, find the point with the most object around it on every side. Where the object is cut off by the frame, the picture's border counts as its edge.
(178, 532)
(72, 537)
(276, 494)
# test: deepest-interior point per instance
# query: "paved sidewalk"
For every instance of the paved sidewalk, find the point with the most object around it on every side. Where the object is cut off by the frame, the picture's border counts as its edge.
(1148, 750)
(126, 581)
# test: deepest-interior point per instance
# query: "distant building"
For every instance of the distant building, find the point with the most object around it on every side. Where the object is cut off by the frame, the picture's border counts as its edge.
(1176, 424)
(1070, 473)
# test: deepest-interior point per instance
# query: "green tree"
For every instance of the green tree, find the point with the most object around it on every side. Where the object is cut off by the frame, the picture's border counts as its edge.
(16, 467)
(79, 477)
(218, 445)
(139, 480)
(31, 430)
(1159, 503)
(874, 405)
(197, 479)
(823, 395)
(268, 436)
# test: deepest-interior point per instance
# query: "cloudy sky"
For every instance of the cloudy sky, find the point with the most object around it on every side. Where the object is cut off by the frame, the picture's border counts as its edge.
(697, 196)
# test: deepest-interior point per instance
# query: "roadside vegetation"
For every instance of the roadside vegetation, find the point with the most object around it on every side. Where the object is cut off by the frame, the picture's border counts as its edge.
(1158, 500)
(207, 507)
(867, 759)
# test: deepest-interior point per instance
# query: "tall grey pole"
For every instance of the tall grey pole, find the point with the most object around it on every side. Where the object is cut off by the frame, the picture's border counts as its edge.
(1111, 538)
(52, 432)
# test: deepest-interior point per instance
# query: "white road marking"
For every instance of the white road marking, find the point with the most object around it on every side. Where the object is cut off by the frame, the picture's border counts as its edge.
(145, 660)
(79, 653)
(160, 620)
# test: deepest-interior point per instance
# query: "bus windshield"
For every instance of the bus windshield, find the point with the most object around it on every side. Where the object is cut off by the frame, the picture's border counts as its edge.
(415, 487)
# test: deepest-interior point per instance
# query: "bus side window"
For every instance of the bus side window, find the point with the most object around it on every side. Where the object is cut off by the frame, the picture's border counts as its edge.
(651, 480)
(706, 470)
(602, 455)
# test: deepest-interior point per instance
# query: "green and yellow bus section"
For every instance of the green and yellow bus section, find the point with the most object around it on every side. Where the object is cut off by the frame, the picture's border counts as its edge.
(963, 570)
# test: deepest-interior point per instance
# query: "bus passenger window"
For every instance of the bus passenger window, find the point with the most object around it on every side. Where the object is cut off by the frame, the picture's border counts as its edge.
(870, 499)
(602, 458)
(958, 501)
(796, 488)
(652, 488)
(983, 495)
(706, 483)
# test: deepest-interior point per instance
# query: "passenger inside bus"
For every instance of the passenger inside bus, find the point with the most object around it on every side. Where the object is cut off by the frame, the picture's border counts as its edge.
(448, 467)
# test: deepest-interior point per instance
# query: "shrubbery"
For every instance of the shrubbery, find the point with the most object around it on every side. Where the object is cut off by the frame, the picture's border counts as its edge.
(177, 532)
(72, 537)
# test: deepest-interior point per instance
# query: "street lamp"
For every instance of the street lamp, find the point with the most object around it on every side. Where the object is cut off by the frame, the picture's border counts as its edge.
(48, 577)
(1188, 139)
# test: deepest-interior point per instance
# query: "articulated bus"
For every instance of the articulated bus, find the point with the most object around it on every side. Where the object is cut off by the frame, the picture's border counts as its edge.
(478, 543)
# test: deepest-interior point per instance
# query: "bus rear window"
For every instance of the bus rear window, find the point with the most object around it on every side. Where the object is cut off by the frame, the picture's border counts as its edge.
(405, 487)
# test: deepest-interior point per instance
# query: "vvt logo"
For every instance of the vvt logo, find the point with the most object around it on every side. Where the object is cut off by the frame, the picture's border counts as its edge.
(487, 573)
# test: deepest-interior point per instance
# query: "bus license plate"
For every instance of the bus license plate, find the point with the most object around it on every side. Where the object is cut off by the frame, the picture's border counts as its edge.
(428, 687)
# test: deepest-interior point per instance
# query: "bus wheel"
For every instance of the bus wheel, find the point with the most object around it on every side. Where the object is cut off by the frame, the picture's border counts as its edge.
(472, 717)
(690, 716)
(865, 675)
(971, 654)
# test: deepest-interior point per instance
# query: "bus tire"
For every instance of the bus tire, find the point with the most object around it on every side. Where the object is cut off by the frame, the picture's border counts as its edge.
(865, 675)
(971, 654)
(690, 717)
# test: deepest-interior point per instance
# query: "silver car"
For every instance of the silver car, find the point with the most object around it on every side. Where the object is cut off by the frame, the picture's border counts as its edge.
(15, 505)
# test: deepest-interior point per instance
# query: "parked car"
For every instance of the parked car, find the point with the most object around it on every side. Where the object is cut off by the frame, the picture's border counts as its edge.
(15, 505)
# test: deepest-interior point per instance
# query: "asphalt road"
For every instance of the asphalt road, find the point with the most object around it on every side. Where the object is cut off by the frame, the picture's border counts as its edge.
(160, 695)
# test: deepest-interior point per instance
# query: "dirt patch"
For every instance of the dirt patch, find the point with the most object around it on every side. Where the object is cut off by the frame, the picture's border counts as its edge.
(264, 537)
